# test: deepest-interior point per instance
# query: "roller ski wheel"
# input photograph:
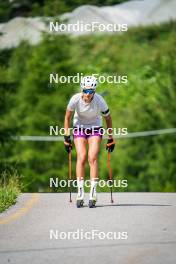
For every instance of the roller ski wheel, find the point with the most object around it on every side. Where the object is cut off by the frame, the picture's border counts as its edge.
(79, 203)
(92, 203)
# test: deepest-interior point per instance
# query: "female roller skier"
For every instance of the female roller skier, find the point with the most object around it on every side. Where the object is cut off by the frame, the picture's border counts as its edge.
(88, 106)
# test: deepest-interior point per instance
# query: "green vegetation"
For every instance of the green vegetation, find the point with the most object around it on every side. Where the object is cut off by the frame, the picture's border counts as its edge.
(147, 102)
(9, 188)
(10, 9)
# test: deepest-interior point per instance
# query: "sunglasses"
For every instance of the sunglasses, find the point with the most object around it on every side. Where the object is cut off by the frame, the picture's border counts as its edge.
(88, 91)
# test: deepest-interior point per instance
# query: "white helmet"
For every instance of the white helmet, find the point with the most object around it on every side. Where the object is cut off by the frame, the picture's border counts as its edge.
(88, 82)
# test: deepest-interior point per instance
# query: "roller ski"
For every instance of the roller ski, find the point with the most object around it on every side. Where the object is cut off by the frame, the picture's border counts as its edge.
(79, 203)
(92, 199)
(92, 203)
(79, 200)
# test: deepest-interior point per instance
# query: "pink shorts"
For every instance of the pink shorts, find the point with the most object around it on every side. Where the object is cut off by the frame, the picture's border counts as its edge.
(87, 132)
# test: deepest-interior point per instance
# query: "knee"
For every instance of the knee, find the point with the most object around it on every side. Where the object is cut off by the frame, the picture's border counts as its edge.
(81, 159)
(92, 160)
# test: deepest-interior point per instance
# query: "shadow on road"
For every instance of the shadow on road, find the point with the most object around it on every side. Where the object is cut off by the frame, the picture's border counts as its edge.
(149, 243)
(106, 205)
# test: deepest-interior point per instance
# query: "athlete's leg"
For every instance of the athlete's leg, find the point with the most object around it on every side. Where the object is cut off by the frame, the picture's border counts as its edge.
(80, 144)
(94, 147)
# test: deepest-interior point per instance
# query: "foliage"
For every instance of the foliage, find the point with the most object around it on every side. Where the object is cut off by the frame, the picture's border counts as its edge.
(9, 187)
(10, 9)
(146, 102)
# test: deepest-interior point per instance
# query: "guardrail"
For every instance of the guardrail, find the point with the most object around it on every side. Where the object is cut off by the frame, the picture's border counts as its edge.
(129, 135)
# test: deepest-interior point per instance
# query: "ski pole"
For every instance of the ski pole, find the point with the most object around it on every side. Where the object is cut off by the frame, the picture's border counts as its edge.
(70, 172)
(110, 173)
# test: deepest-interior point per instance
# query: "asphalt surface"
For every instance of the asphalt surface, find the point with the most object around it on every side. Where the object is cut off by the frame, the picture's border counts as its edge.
(46, 228)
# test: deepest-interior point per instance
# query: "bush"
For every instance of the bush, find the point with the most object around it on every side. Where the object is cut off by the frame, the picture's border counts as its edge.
(10, 187)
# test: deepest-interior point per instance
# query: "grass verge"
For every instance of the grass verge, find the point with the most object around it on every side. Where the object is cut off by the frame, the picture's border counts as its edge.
(9, 189)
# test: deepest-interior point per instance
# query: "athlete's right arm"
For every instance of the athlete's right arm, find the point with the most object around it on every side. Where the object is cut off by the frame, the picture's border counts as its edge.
(67, 139)
(67, 121)
(70, 109)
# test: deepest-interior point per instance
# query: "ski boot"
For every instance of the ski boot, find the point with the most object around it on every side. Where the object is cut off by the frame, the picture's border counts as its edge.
(79, 201)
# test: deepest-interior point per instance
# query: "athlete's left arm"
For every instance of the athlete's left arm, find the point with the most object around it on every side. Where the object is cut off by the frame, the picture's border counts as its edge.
(109, 125)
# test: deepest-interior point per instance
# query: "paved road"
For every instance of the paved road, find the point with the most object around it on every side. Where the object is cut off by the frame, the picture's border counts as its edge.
(37, 230)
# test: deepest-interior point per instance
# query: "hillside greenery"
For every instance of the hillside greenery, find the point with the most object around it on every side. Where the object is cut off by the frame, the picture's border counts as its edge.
(10, 9)
(10, 186)
(29, 104)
